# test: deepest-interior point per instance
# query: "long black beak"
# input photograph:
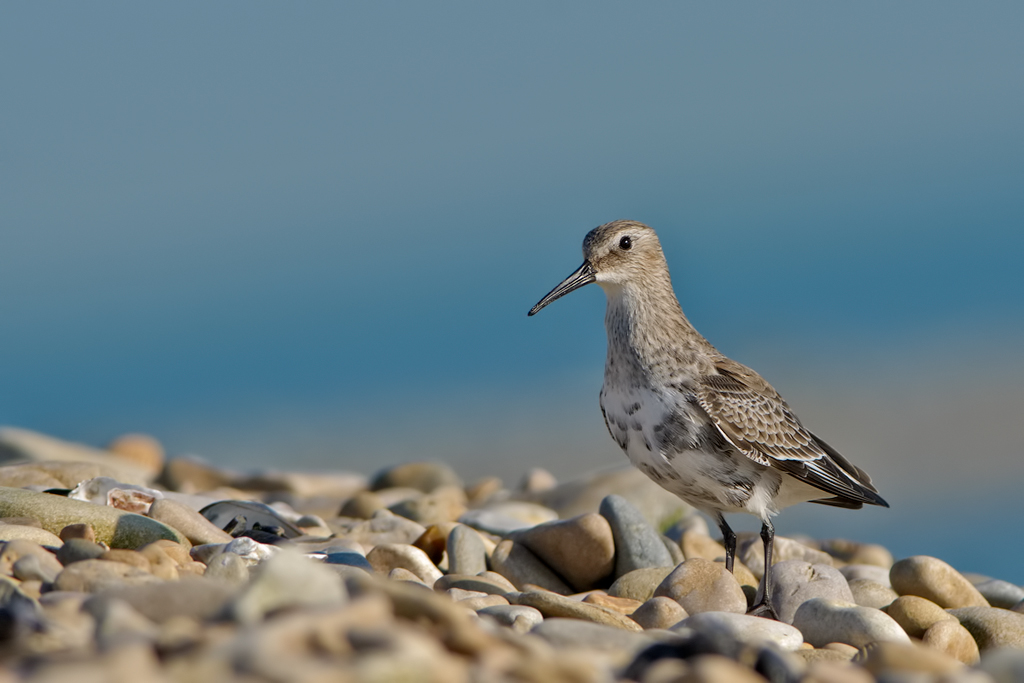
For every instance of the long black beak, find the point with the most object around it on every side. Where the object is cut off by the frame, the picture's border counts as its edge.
(584, 275)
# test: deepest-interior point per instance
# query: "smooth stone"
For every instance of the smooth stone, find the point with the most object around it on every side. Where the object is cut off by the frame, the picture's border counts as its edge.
(78, 549)
(176, 552)
(743, 628)
(621, 605)
(83, 531)
(350, 559)
(31, 568)
(114, 527)
(11, 532)
(750, 551)
(403, 574)
(444, 504)
(132, 557)
(992, 627)
(288, 579)
(383, 527)
(554, 605)
(637, 544)
(422, 476)
(868, 593)
(700, 585)
(580, 550)
(797, 581)
(639, 584)
(434, 541)
(228, 568)
(674, 551)
(659, 612)
(1004, 665)
(953, 639)
(478, 603)
(888, 658)
(362, 505)
(866, 571)
(388, 556)
(118, 624)
(28, 475)
(696, 544)
(537, 479)
(916, 615)
(195, 527)
(492, 585)
(11, 552)
(1000, 593)
(824, 621)
(65, 460)
(89, 576)
(466, 551)
(855, 553)
(519, 618)
(931, 578)
(520, 566)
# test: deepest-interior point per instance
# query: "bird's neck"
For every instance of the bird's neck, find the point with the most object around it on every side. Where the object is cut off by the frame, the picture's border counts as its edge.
(649, 337)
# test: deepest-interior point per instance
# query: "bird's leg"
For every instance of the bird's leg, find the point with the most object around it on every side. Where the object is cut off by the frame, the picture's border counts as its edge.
(728, 540)
(764, 608)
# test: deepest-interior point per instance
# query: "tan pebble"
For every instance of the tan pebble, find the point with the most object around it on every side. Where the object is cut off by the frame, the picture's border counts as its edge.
(581, 550)
(667, 670)
(362, 505)
(84, 531)
(484, 601)
(750, 550)
(434, 541)
(554, 605)
(953, 639)
(931, 578)
(32, 589)
(403, 574)
(388, 556)
(915, 615)
(130, 557)
(639, 584)
(519, 565)
(140, 449)
(179, 553)
(886, 657)
(498, 579)
(700, 585)
(660, 612)
(621, 605)
(194, 568)
(852, 552)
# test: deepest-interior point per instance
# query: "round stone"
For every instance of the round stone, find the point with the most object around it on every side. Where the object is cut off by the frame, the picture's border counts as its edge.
(659, 612)
(637, 544)
(423, 476)
(444, 504)
(639, 584)
(700, 585)
(288, 579)
(520, 566)
(466, 551)
(866, 571)
(388, 556)
(491, 583)
(825, 621)
(956, 641)
(916, 615)
(196, 528)
(554, 605)
(580, 550)
(751, 551)
(796, 581)
(889, 658)
(931, 578)
(229, 568)
(870, 593)
(88, 576)
(743, 628)
(854, 553)
(616, 604)
(84, 531)
(1000, 593)
(11, 532)
(78, 549)
(140, 449)
(992, 627)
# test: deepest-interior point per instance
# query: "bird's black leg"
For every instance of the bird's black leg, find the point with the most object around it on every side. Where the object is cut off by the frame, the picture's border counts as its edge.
(764, 607)
(728, 540)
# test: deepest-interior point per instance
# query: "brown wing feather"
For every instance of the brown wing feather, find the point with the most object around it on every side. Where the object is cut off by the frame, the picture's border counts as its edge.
(758, 422)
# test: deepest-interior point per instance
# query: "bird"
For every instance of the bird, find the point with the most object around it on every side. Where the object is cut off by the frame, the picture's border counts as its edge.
(701, 425)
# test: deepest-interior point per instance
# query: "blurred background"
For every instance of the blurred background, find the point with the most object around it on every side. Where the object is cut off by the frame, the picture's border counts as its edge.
(306, 236)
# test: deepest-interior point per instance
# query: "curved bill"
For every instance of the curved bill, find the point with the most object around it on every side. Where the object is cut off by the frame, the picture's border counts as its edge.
(584, 275)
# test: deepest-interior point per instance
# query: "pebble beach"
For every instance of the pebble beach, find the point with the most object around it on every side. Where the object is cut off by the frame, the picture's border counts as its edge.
(119, 564)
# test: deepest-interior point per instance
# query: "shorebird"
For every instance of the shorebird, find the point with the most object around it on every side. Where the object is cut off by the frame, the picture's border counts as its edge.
(706, 428)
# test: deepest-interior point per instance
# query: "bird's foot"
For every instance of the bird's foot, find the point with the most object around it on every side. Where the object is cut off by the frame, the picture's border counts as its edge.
(763, 609)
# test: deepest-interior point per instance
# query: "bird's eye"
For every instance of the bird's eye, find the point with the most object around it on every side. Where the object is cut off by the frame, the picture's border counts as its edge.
(625, 243)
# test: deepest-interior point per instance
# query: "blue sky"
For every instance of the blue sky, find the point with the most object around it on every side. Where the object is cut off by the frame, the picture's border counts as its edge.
(308, 235)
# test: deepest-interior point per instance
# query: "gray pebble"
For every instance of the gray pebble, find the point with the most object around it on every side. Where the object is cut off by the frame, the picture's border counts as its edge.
(637, 544)
(1000, 593)
(30, 568)
(868, 593)
(825, 621)
(743, 628)
(287, 579)
(796, 581)
(466, 551)
(493, 522)
(78, 549)
(227, 567)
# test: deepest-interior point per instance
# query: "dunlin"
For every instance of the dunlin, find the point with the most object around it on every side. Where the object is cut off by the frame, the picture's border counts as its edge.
(705, 427)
